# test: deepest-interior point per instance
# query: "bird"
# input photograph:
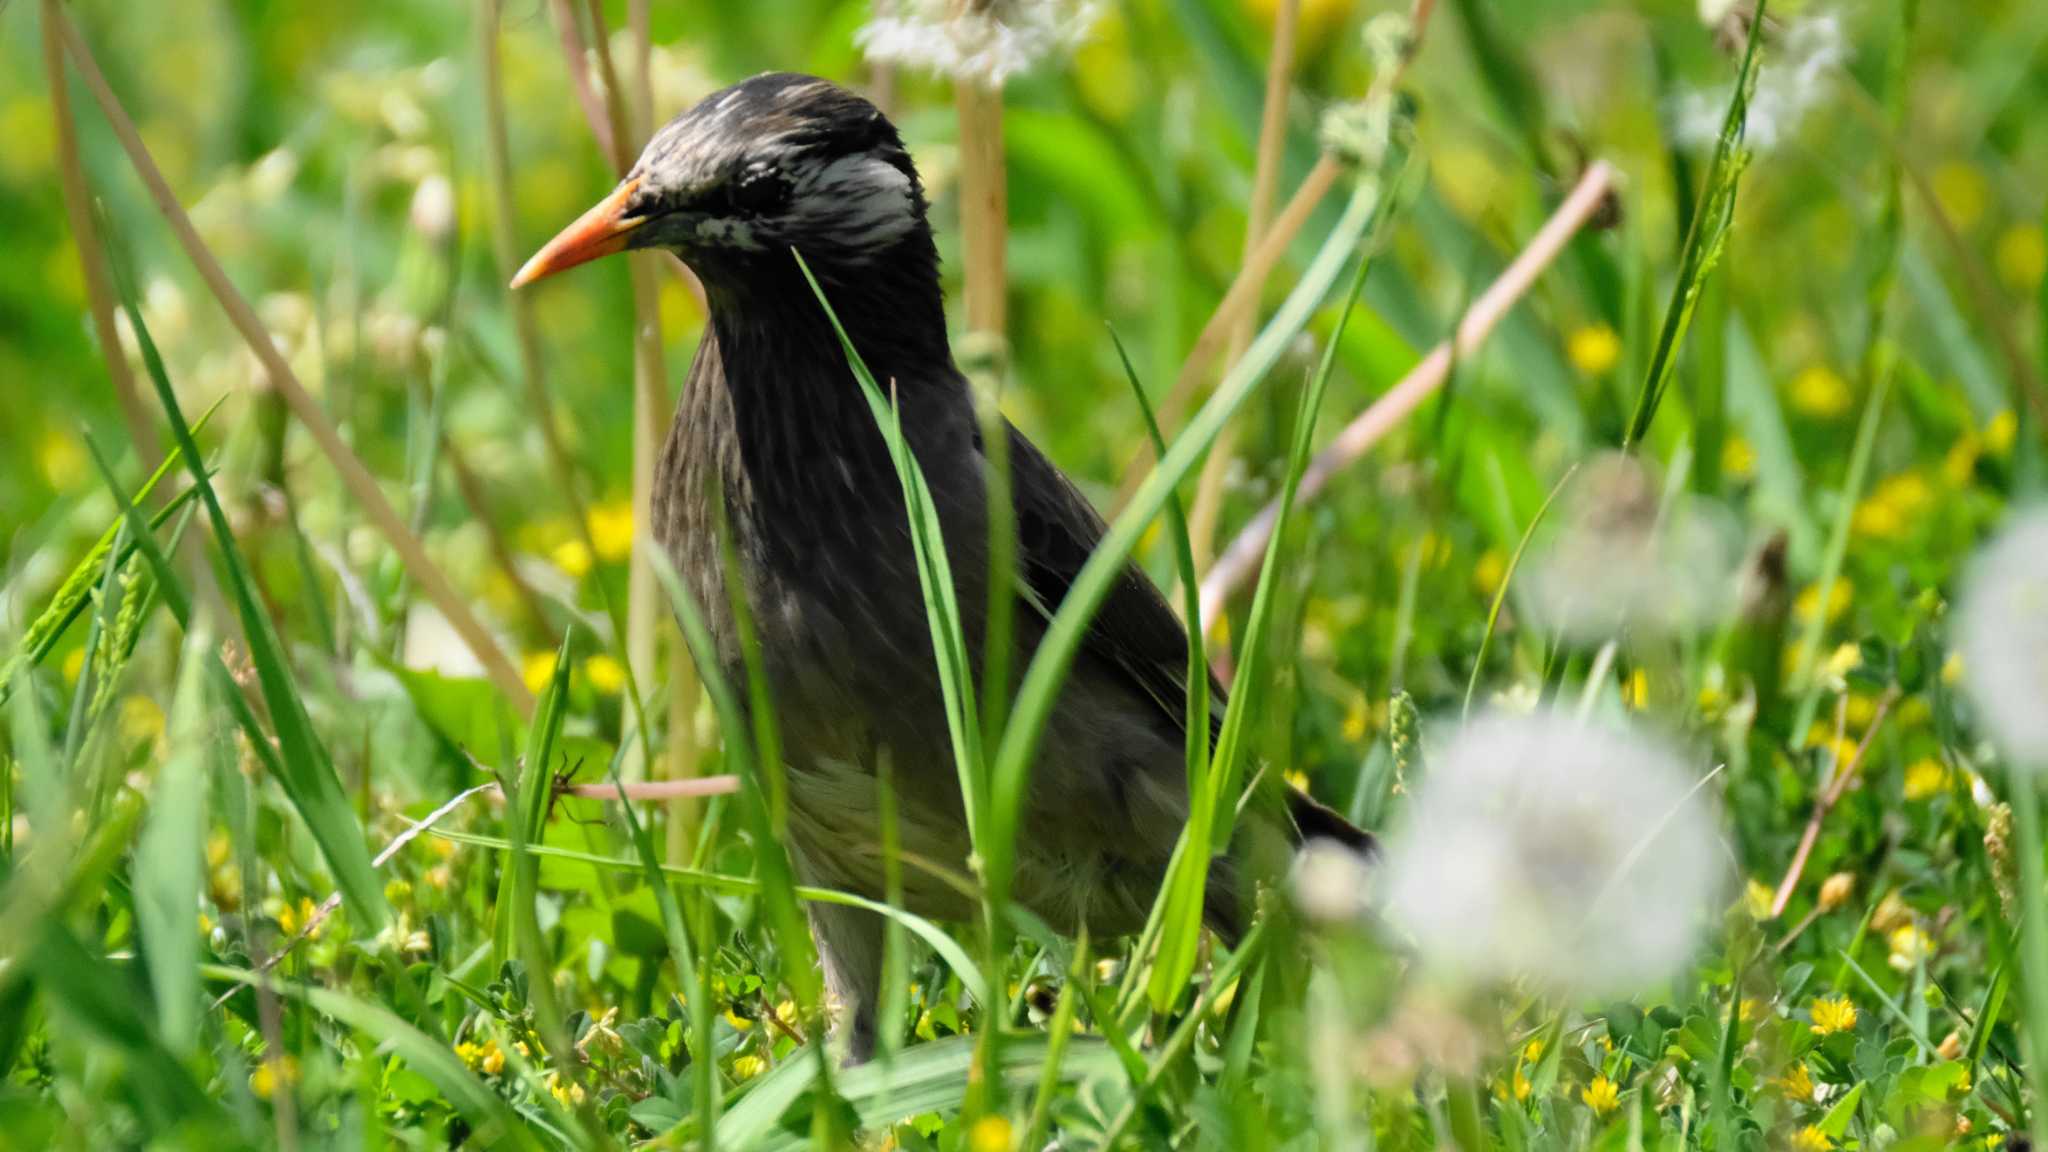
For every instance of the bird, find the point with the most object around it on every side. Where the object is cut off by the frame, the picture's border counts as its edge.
(774, 448)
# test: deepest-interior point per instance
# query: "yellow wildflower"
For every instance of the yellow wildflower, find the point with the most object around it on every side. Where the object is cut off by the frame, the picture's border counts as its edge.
(1357, 718)
(572, 557)
(1808, 602)
(1594, 350)
(1833, 1014)
(1891, 509)
(1836, 890)
(1602, 1096)
(61, 459)
(74, 663)
(1818, 393)
(568, 1093)
(1846, 658)
(606, 674)
(1926, 777)
(1533, 1050)
(1635, 691)
(1738, 458)
(1488, 571)
(292, 920)
(2000, 433)
(493, 1061)
(747, 1066)
(1795, 1084)
(140, 720)
(611, 530)
(739, 1023)
(1909, 947)
(1962, 192)
(2022, 257)
(1757, 896)
(537, 669)
(1296, 779)
(991, 1133)
(1811, 1139)
(264, 1080)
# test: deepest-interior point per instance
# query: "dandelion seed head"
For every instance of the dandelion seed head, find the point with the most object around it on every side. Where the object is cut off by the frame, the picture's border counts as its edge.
(1331, 883)
(1579, 857)
(985, 42)
(1615, 556)
(1793, 79)
(2001, 632)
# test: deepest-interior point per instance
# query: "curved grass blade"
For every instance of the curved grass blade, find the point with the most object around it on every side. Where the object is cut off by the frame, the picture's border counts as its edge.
(48, 627)
(1212, 810)
(1704, 240)
(170, 855)
(304, 772)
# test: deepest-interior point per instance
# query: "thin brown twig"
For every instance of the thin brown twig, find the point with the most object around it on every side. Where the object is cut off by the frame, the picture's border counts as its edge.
(1579, 208)
(99, 294)
(650, 394)
(471, 488)
(1845, 774)
(601, 127)
(1240, 296)
(1208, 505)
(1243, 293)
(576, 56)
(354, 475)
(505, 244)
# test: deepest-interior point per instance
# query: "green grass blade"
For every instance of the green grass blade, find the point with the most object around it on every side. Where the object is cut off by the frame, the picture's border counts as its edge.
(935, 580)
(169, 858)
(925, 1078)
(49, 626)
(1010, 771)
(1212, 810)
(305, 774)
(1704, 240)
(1191, 590)
(528, 797)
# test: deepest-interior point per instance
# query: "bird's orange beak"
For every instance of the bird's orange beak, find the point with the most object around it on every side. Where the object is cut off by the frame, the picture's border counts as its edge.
(599, 232)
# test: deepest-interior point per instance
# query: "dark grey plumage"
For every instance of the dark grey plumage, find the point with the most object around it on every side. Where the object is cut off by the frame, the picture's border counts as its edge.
(772, 418)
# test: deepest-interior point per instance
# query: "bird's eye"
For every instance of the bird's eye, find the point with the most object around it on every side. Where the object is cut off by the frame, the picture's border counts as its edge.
(759, 193)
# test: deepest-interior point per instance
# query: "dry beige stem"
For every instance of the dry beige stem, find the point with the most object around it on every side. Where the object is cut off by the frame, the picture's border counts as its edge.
(1241, 296)
(99, 294)
(1208, 504)
(357, 478)
(984, 203)
(1241, 559)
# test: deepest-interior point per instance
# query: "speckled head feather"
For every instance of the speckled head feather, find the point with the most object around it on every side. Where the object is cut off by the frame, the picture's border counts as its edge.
(779, 161)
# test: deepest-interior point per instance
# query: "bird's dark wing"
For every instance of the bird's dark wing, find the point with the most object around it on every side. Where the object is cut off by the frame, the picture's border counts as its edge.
(1134, 633)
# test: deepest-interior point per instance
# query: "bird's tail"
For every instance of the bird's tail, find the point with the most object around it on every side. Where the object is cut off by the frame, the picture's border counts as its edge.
(1223, 909)
(1313, 821)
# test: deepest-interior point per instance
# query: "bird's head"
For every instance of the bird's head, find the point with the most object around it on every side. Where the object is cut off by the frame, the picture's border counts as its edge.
(777, 162)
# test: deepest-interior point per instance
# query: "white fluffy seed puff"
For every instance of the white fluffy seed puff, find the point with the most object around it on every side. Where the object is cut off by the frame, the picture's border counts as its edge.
(1580, 857)
(2001, 631)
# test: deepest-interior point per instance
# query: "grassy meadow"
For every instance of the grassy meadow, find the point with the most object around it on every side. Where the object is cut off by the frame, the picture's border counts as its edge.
(1601, 438)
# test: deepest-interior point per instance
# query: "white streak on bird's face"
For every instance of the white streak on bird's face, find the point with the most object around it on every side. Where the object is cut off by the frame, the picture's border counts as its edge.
(859, 203)
(776, 163)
